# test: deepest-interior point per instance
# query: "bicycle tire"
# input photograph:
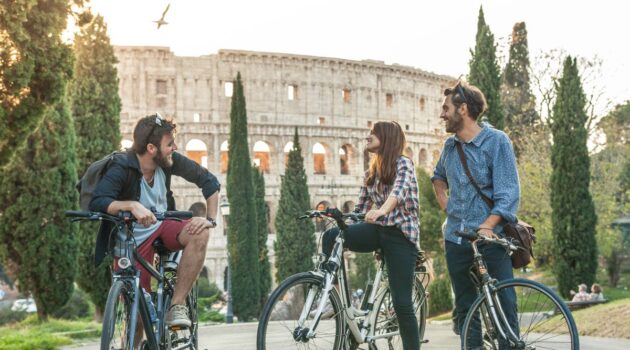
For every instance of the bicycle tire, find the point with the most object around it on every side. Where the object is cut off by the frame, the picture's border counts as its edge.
(544, 319)
(386, 320)
(116, 318)
(280, 315)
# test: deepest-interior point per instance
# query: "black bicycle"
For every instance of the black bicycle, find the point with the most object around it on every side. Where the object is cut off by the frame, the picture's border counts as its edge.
(543, 320)
(127, 300)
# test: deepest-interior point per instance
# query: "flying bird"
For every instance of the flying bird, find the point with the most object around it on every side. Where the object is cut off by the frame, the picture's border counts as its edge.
(160, 22)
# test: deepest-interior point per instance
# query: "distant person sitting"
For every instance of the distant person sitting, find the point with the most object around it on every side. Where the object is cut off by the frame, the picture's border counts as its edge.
(582, 294)
(198, 209)
(596, 293)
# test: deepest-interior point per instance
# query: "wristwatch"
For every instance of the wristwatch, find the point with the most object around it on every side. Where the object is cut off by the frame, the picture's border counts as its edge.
(213, 223)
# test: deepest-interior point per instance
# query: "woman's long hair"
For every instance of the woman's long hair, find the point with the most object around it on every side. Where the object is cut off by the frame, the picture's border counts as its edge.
(393, 143)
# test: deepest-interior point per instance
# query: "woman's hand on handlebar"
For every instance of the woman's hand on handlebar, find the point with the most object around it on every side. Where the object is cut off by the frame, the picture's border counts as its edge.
(373, 215)
(143, 215)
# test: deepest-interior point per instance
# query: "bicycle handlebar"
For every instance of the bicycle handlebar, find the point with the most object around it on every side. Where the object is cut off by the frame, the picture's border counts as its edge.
(332, 213)
(473, 235)
(125, 216)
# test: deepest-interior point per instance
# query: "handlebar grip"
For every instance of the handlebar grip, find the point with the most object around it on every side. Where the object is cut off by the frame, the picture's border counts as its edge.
(178, 214)
(77, 214)
(469, 235)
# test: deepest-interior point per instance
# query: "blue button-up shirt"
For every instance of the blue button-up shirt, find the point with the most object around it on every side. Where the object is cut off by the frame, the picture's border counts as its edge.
(492, 163)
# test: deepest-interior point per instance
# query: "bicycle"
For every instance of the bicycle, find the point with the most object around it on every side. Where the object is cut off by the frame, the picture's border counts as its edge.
(305, 311)
(127, 299)
(543, 319)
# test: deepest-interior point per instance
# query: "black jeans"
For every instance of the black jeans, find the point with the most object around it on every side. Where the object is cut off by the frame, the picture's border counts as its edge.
(400, 257)
(459, 259)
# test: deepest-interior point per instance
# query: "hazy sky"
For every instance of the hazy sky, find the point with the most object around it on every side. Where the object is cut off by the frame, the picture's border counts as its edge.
(432, 35)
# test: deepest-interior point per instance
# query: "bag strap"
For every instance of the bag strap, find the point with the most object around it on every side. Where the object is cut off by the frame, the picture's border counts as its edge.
(462, 158)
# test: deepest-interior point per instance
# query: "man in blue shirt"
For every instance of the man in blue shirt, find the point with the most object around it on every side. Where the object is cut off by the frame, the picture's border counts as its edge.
(492, 164)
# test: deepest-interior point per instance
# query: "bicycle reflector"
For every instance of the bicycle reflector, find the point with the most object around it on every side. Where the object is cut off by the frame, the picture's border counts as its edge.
(124, 263)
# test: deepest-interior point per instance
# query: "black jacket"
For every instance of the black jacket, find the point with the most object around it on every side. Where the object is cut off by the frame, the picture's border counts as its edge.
(121, 182)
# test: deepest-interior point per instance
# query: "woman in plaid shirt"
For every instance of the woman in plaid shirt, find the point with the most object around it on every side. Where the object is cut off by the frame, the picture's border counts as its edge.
(389, 197)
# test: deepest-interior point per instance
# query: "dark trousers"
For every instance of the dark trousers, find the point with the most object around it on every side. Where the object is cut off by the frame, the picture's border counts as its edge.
(459, 259)
(400, 257)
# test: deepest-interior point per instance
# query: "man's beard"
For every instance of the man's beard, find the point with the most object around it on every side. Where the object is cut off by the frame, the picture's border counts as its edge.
(161, 160)
(455, 124)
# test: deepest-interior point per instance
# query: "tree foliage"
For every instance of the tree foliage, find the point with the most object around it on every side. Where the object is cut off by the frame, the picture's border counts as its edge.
(34, 68)
(431, 216)
(295, 239)
(38, 242)
(573, 219)
(96, 108)
(243, 233)
(364, 270)
(516, 96)
(485, 72)
(262, 212)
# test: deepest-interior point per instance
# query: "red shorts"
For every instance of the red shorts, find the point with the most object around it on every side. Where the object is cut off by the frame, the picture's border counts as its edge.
(168, 232)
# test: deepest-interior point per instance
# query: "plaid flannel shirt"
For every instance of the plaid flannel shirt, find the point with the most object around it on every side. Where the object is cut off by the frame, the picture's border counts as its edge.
(405, 189)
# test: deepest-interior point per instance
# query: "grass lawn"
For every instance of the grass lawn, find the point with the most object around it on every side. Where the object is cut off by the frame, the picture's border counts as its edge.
(31, 334)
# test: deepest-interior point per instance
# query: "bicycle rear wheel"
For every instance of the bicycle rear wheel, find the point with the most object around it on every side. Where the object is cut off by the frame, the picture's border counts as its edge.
(387, 322)
(544, 321)
(279, 326)
(116, 318)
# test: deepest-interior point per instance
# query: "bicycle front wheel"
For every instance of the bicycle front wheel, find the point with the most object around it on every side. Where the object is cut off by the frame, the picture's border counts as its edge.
(298, 297)
(543, 320)
(116, 319)
(386, 323)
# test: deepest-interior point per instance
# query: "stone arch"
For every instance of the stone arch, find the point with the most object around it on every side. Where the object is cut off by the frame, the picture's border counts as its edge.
(287, 148)
(197, 151)
(319, 153)
(125, 144)
(262, 156)
(422, 157)
(224, 156)
(347, 155)
(348, 206)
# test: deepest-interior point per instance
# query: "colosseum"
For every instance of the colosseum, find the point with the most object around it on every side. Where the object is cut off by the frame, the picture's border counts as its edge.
(332, 102)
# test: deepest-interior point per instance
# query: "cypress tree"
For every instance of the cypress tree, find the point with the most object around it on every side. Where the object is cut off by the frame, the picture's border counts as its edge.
(431, 216)
(34, 67)
(364, 270)
(261, 219)
(484, 72)
(574, 218)
(38, 242)
(96, 109)
(295, 239)
(242, 234)
(516, 95)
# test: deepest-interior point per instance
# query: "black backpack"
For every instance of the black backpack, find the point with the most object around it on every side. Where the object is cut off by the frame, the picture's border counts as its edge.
(87, 184)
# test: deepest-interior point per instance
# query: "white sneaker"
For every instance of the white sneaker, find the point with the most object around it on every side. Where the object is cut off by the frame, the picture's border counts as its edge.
(177, 315)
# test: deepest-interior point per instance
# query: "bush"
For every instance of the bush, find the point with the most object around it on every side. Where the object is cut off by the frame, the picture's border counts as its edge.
(8, 316)
(440, 300)
(77, 307)
(207, 289)
(212, 315)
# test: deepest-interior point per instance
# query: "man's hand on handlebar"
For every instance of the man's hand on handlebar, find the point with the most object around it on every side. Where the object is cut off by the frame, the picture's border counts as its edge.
(143, 215)
(486, 232)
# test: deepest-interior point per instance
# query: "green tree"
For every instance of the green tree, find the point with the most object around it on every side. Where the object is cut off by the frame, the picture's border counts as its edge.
(34, 68)
(431, 216)
(573, 219)
(38, 242)
(518, 101)
(364, 270)
(96, 109)
(485, 73)
(295, 239)
(243, 233)
(262, 212)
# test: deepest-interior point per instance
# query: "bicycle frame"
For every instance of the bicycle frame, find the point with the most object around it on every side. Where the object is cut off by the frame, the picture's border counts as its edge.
(494, 308)
(131, 275)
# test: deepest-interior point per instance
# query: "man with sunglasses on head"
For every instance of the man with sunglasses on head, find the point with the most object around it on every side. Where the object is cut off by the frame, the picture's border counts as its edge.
(492, 171)
(139, 181)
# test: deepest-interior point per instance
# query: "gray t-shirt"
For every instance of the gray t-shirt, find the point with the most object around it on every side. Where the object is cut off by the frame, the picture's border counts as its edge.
(150, 196)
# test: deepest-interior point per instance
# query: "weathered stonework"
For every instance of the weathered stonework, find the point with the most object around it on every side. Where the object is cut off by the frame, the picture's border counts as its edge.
(334, 101)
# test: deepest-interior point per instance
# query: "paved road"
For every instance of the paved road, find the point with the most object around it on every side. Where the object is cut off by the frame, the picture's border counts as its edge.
(243, 337)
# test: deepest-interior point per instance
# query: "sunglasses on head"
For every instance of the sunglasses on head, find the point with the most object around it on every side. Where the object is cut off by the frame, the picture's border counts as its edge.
(460, 91)
(158, 121)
